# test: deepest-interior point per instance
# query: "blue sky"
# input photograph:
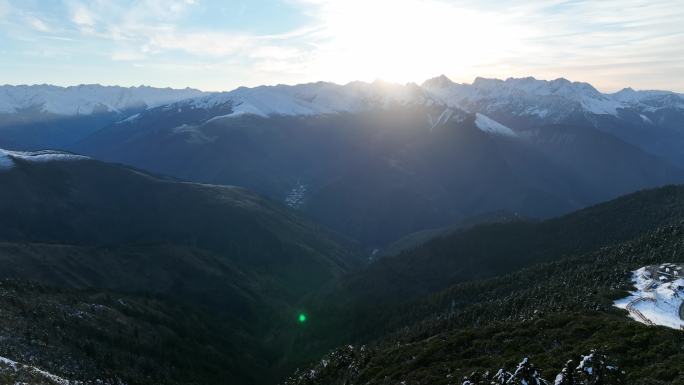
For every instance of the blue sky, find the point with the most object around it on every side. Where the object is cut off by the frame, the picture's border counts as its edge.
(219, 45)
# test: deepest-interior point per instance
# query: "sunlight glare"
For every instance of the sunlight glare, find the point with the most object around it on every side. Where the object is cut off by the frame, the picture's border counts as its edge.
(403, 40)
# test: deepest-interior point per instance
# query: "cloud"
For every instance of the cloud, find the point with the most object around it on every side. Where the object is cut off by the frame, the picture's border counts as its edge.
(398, 40)
(4, 8)
(82, 16)
(405, 40)
(128, 56)
(146, 29)
(37, 24)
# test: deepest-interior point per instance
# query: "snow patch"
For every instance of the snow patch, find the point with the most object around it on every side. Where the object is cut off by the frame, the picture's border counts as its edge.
(487, 124)
(442, 118)
(5, 161)
(645, 119)
(7, 157)
(15, 366)
(295, 198)
(129, 119)
(658, 296)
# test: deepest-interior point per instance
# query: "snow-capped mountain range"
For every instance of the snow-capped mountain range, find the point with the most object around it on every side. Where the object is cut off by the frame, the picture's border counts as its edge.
(310, 99)
(522, 96)
(535, 147)
(525, 96)
(541, 98)
(511, 107)
(86, 99)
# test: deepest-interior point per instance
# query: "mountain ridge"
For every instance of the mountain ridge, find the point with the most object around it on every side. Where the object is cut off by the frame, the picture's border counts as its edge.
(86, 99)
(560, 86)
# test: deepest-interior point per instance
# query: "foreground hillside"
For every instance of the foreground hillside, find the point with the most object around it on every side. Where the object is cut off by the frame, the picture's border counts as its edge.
(373, 301)
(551, 313)
(149, 280)
(107, 337)
(72, 222)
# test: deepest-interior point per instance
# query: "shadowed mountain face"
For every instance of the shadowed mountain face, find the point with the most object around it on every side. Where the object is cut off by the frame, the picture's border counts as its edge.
(375, 161)
(69, 221)
(43, 116)
(380, 174)
(491, 249)
(83, 202)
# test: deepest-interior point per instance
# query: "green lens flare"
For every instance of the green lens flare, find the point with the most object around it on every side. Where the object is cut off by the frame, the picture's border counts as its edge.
(301, 318)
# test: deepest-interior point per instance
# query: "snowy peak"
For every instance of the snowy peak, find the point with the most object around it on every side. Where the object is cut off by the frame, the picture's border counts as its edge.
(7, 158)
(649, 100)
(439, 82)
(532, 86)
(554, 99)
(86, 99)
(545, 96)
(310, 99)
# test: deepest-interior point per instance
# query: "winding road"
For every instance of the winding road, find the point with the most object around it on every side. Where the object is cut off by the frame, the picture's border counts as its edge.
(630, 308)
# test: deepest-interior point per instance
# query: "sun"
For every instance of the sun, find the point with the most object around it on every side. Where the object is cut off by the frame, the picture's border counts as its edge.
(411, 40)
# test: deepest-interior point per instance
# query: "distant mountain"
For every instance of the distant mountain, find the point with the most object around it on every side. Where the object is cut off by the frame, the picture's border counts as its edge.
(392, 157)
(86, 99)
(418, 238)
(491, 249)
(377, 161)
(650, 120)
(45, 116)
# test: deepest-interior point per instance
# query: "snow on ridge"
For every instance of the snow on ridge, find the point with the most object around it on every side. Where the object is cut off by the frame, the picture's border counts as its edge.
(526, 96)
(658, 297)
(530, 96)
(5, 161)
(7, 157)
(87, 99)
(489, 125)
(52, 377)
(309, 98)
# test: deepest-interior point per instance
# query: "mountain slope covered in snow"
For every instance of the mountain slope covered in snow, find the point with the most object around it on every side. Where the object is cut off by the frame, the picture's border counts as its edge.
(86, 99)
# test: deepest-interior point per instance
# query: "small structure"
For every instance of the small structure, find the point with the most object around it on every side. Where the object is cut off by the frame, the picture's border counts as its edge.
(658, 298)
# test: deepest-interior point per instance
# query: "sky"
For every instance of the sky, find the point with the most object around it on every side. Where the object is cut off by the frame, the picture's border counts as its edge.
(222, 44)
